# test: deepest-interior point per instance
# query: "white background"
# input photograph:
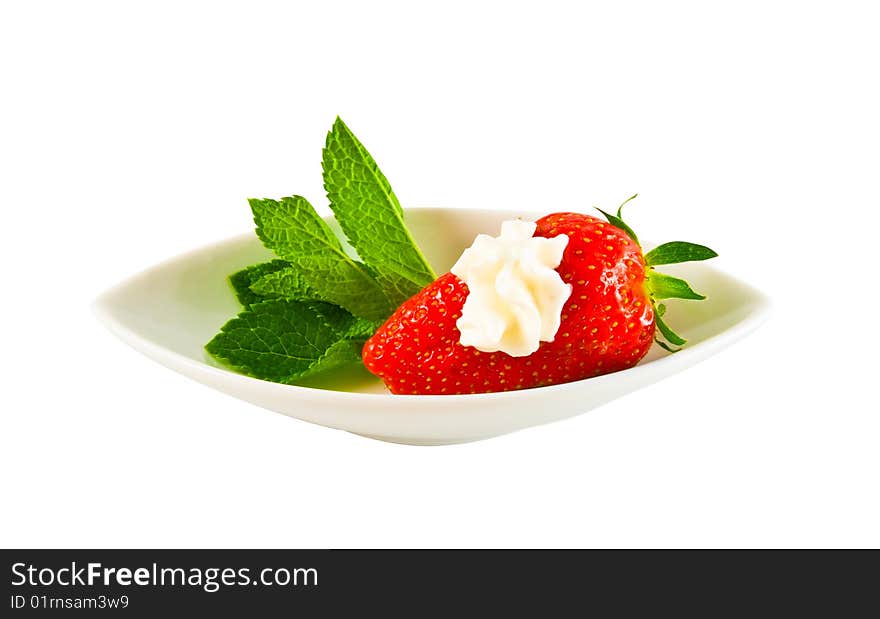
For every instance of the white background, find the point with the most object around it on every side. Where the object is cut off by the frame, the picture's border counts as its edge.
(131, 132)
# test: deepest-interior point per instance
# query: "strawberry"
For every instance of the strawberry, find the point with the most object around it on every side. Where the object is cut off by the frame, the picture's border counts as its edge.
(607, 324)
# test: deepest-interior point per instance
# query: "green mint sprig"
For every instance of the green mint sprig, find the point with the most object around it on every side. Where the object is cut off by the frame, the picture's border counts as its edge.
(312, 309)
(371, 216)
(283, 340)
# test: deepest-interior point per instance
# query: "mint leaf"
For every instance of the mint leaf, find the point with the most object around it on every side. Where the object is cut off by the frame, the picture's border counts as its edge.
(291, 226)
(349, 327)
(347, 284)
(362, 329)
(341, 353)
(371, 216)
(297, 234)
(286, 282)
(678, 251)
(282, 340)
(668, 287)
(243, 280)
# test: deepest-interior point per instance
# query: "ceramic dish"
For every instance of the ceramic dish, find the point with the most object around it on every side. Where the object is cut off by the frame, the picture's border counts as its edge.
(170, 311)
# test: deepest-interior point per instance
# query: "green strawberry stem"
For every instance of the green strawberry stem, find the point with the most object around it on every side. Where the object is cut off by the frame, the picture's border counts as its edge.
(661, 286)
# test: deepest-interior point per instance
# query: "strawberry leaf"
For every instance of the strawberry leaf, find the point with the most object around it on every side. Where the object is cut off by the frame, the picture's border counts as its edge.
(678, 251)
(624, 203)
(663, 286)
(615, 220)
(665, 346)
(668, 333)
(667, 287)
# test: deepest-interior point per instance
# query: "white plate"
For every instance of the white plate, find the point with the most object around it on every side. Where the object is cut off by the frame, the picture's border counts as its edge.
(170, 311)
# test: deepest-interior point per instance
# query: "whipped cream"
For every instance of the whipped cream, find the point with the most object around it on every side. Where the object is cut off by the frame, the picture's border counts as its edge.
(515, 295)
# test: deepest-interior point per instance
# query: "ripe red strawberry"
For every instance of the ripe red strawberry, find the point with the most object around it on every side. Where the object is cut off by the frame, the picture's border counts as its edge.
(608, 322)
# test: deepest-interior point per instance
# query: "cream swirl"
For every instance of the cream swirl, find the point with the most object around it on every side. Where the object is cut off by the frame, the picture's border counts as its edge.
(515, 295)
